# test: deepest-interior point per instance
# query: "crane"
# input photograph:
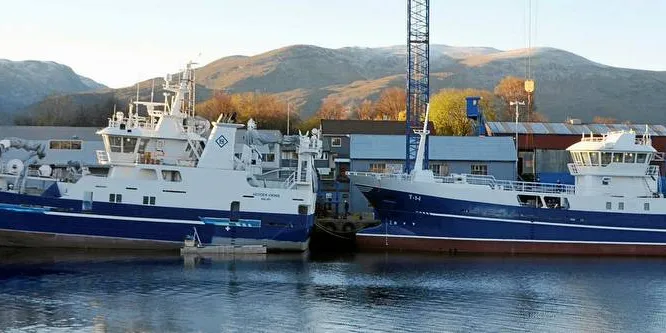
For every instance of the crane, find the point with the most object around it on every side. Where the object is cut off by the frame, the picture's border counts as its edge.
(418, 83)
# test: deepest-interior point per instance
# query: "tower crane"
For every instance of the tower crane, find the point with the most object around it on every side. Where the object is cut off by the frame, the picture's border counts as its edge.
(418, 84)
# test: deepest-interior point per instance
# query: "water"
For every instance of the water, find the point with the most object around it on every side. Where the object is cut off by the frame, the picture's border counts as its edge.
(48, 291)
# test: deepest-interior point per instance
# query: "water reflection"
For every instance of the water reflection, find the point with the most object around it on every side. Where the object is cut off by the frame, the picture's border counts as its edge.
(110, 291)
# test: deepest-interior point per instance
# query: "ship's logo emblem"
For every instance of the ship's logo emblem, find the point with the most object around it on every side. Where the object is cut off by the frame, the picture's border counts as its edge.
(221, 141)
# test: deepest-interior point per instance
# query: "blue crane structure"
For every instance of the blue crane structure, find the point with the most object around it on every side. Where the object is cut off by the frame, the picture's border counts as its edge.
(418, 77)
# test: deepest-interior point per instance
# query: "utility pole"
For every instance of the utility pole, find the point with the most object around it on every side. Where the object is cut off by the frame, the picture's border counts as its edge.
(288, 112)
(517, 103)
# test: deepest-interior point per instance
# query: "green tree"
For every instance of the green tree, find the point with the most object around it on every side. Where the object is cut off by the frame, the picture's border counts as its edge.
(448, 110)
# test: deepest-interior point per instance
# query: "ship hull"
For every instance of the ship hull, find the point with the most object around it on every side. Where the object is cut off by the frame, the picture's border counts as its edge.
(445, 224)
(30, 221)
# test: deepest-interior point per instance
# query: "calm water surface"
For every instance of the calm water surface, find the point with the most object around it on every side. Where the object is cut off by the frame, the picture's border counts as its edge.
(102, 292)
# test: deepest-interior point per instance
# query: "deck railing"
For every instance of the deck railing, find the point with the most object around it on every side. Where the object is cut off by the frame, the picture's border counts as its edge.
(481, 180)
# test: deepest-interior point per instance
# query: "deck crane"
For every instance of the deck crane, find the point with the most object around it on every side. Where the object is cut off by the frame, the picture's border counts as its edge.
(418, 84)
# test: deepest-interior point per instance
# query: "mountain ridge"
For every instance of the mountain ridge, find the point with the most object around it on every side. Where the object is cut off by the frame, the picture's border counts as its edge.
(568, 85)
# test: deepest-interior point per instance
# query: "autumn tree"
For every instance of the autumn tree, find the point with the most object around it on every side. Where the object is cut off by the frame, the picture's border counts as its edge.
(391, 102)
(332, 109)
(604, 120)
(365, 110)
(448, 110)
(221, 102)
(512, 89)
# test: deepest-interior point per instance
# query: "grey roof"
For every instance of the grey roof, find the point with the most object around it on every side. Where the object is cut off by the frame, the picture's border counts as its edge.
(444, 148)
(50, 132)
(507, 127)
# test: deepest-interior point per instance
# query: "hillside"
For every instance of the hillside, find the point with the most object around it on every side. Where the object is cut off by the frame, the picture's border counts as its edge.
(25, 82)
(567, 85)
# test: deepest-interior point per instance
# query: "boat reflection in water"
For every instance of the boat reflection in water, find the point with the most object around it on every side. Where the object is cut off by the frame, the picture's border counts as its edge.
(113, 292)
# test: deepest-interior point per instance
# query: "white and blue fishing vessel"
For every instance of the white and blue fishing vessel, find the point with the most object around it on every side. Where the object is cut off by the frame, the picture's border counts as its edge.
(167, 181)
(615, 206)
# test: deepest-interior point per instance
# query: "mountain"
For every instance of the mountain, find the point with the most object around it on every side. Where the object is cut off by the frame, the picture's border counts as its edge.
(25, 82)
(567, 85)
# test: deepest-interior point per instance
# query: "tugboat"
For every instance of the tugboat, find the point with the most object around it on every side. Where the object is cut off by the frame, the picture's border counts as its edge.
(615, 207)
(166, 183)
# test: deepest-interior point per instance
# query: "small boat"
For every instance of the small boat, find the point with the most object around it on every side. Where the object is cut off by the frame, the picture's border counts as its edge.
(167, 182)
(615, 207)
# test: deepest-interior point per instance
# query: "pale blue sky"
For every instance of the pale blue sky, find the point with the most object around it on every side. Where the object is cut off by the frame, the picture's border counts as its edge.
(119, 42)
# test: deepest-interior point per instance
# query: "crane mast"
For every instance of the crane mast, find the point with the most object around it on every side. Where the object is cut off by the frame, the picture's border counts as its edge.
(418, 73)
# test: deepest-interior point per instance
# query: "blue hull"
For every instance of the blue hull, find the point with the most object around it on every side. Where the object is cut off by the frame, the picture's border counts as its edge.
(40, 221)
(442, 224)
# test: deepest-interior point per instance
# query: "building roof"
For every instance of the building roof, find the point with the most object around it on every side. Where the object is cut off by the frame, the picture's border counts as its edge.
(445, 148)
(50, 132)
(507, 128)
(385, 127)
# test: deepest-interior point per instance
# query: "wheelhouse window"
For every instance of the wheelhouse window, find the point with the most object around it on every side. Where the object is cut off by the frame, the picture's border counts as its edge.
(336, 142)
(65, 144)
(594, 158)
(618, 157)
(270, 157)
(641, 157)
(129, 144)
(629, 158)
(606, 158)
(586, 158)
(116, 144)
(479, 169)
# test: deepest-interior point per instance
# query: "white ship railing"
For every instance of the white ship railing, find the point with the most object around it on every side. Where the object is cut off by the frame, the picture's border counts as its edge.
(652, 170)
(480, 180)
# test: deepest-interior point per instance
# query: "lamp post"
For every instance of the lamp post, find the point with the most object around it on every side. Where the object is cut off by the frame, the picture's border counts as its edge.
(517, 103)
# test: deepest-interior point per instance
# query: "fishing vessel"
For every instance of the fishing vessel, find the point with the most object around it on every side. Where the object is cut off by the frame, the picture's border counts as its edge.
(614, 207)
(167, 182)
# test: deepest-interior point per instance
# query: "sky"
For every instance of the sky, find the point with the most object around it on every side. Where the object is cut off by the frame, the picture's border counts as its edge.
(119, 42)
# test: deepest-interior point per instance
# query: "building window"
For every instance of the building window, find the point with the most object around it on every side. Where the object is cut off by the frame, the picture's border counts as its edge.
(646, 206)
(439, 169)
(394, 167)
(65, 144)
(378, 167)
(620, 206)
(114, 197)
(479, 169)
(608, 205)
(171, 175)
(336, 142)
